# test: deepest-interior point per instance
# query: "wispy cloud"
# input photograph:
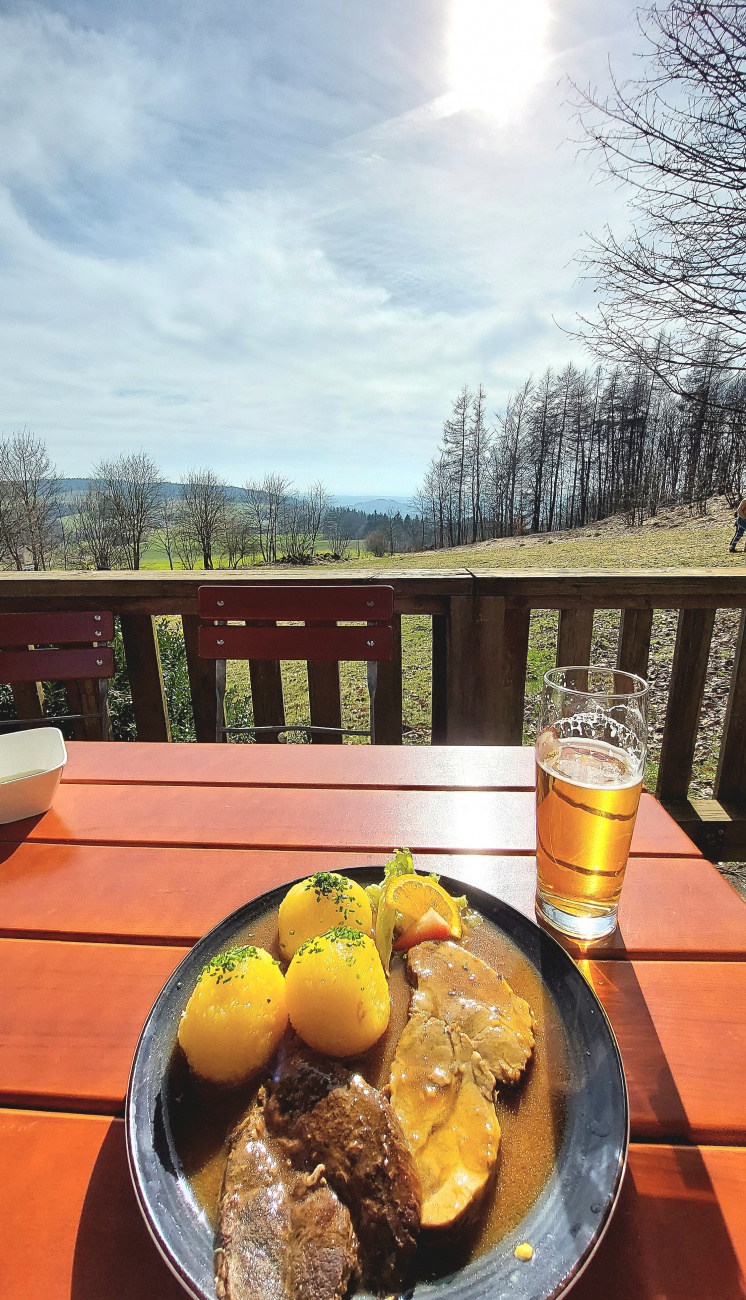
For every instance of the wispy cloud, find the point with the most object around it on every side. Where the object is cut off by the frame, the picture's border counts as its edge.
(272, 245)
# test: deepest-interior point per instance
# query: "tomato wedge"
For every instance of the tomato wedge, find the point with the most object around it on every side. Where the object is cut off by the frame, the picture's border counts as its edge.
(431, 925)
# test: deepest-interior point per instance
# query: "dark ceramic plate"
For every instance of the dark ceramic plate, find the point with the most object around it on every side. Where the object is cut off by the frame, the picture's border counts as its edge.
(564, 1225)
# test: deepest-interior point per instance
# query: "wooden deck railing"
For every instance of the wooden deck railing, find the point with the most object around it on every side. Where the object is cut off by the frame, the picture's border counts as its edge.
(480, 639)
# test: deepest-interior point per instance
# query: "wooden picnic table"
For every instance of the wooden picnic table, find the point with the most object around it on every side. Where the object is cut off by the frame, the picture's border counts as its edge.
(147, 846)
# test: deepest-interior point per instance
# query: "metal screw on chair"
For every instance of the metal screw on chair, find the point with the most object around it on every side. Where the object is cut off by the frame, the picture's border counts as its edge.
(370, 604)
(370, 643)
(221, 602)
(99, 662)
(97, 618)
(221, 641)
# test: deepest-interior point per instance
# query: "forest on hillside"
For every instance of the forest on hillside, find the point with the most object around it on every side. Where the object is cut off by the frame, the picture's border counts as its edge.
(577, 446)
(568, 449)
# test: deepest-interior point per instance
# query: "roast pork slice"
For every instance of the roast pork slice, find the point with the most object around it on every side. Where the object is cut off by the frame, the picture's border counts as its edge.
(461, 989)
(467, 1032)
(442, 1091)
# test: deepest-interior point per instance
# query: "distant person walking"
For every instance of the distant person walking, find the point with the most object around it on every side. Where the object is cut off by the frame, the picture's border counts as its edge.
(740, 525)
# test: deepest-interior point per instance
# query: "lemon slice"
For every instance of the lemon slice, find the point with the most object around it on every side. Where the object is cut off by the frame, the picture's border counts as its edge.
(413, 896)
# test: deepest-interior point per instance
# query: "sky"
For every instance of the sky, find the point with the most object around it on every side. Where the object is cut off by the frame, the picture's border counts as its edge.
(280, 235)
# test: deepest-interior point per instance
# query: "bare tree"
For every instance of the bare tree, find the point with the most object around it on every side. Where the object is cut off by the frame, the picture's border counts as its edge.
(420, 519)
(186, 545)
(317, 501)
(134, 484)
(300, 523)
(266, 499)
(676, 138)
(338, 531)
(204, 504)
(97, 529)
(66, 535)
(455, 450)
(377, 542)
(477, 450)
(238, 540)
(165, 531)
(29, 510)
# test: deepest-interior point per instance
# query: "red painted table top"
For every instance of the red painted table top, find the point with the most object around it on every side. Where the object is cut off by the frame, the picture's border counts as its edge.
(147, 846)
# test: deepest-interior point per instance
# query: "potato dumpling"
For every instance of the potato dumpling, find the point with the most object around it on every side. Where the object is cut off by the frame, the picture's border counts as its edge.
(337, 992)
(235, 1017)
(315, 905)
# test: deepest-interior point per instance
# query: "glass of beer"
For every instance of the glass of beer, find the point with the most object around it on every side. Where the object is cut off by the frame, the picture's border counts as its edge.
(590, 758)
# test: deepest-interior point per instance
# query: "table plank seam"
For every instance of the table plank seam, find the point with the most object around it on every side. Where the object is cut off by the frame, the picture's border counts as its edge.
(272, 846)
(159, 940)
(304, 785)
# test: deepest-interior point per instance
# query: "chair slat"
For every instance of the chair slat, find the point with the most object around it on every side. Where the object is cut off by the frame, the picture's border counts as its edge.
(55, 629)
(267, 698)
(574, 637)
(206, 684)
(262, 601)
(55, 665)
(329, 643)
(730, 782)
(633, 651)
(688, 676)
(386, 698)
(145, 677)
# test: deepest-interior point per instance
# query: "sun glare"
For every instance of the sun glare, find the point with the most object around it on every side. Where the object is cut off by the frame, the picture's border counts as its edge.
(496, 53)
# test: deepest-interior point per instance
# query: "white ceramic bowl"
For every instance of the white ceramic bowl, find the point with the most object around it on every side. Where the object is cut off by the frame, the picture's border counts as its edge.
(31, 764)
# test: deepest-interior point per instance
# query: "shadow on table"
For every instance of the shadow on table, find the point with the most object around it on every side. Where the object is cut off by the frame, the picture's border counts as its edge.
(115, 1258)
(668, 1239)
(684, 1251)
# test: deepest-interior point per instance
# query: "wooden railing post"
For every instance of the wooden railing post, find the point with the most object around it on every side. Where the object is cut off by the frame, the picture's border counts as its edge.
(324, 700)
(688, 675)
(206, 684)
(145, 676)
(439, 725)
(574, 637)
(730, 782)
(486, 642)
(386, 696)
(633, 652)
(267, 701)
(28, 698)
(89, 696)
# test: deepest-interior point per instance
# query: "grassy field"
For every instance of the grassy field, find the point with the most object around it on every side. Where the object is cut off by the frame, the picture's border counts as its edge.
(676, 539)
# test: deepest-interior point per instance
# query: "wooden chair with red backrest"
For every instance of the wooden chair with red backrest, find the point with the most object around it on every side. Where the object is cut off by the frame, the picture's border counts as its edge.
(264, 642)
(69, 648)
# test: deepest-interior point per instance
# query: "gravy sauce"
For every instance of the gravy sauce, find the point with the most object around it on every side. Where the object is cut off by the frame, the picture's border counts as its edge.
(531, 1116)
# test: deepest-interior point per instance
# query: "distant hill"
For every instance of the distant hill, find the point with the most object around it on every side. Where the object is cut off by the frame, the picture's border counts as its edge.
(71, 486)
(368, 505)
(375, 505)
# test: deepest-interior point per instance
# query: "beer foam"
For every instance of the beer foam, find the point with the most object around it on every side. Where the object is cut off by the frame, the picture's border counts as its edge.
(592, 764)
